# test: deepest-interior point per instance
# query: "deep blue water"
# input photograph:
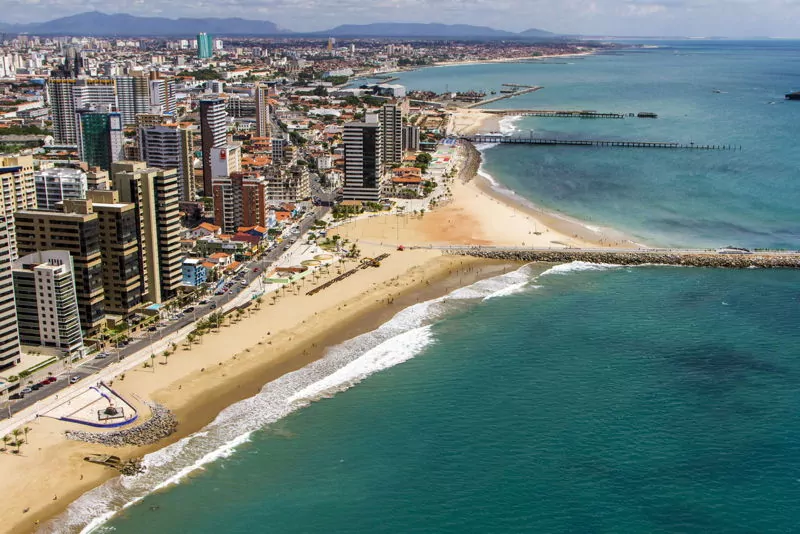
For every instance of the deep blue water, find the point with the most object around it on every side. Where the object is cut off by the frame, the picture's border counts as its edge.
(585, 399)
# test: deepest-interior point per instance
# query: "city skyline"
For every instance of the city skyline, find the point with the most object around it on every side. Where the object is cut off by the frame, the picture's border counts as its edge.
(642, 18)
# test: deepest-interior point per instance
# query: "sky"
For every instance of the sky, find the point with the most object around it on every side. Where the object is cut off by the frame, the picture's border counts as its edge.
(701, 18)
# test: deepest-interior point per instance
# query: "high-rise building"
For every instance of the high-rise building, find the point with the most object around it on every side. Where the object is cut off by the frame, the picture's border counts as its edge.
(225, 160)
(57, 184)
(288, 185)
(411, 137)
(122, 258)
(97, 179)
(67, 95)
(9, 337)
(213, 134)
(133, 94)
(169, 146)
(155, 194)
(18, 191)
(263, 115)
(391, 118)
(279, 144)
(205, 46)
(100, 137)
(77, 231)
(240, 200)
(46, 302)
(162, 96)
(363, 160)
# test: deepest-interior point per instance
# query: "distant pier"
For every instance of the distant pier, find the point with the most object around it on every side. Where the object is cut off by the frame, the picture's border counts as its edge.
(522, 140)
(570, 113)
(516, 90)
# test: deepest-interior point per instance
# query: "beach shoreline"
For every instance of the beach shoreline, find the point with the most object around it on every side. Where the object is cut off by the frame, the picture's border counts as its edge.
(237, 362)
(199, 395)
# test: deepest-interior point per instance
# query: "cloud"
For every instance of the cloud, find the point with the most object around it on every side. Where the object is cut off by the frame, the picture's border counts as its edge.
(594, 17)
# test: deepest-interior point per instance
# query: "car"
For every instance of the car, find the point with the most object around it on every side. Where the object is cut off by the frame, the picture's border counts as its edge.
(51, 379)
(17, 396)
(36, 387)
(203, 302)
(152, 328)
(255, 269)
(74, 379)
(101, 356)
(44, 383)
(213, 305)
(244, 282)
(190, 309)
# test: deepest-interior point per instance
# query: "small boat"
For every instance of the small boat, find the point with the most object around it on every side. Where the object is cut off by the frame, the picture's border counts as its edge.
(793, 96)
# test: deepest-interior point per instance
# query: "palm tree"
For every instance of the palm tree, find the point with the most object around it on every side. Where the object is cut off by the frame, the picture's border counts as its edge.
(153, 362)
(6, 439)
(259, 300)
(166, 355)
(16, 433)
(26, 430)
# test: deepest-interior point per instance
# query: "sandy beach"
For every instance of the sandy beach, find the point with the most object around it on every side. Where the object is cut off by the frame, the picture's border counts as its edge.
(197, 382)
(228, 366)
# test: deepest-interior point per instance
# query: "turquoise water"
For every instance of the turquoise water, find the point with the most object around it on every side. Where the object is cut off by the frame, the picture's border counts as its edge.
(613, 423)
(706, 199)
(582, 399)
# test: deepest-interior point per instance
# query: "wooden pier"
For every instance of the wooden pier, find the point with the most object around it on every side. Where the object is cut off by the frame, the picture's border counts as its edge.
(522, 140)
(569, 113)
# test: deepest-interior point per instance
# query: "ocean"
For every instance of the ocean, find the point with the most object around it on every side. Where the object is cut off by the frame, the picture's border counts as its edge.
(571, 398)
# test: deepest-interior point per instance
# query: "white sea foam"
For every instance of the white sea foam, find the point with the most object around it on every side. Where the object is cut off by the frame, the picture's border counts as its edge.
(508, 124)
(577, 266)
(402, 338)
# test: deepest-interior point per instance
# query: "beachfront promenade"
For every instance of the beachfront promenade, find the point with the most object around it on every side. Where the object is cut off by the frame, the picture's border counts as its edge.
(660, 256)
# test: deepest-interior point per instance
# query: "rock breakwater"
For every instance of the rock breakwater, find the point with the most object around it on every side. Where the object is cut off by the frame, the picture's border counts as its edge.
(688, 259)
(161, 424)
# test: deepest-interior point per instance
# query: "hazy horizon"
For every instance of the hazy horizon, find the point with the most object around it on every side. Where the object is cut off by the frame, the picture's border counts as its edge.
(633, 18)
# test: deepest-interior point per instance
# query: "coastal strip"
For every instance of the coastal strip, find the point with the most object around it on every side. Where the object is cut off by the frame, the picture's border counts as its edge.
(770, 260)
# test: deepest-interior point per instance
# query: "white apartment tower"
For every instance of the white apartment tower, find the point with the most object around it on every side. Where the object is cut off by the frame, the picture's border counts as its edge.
(133, 94)
(213, 134)
(67, 95)
(168, 146)
(162, 96)
(47, 303)
(57, 184)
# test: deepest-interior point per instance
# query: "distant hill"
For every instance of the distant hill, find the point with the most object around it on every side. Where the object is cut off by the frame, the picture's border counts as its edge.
(534, 32)
(404, 29)
(97, 24)
(94, 23)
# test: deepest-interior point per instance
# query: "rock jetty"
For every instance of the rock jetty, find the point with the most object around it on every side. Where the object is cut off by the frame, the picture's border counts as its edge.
(688, 259)
(161, 424)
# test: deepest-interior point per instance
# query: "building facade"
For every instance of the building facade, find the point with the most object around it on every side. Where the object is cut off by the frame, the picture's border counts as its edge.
(100, 137)
(363, 161)
(155, 193)
(263, 111)
(9, 336)
(162, 96)
(77, 231)
(17, 191)
(57, 184)
(123, 282)
(133, 95)
(168, 146)
(46, 302)
(194, 274)
(67, 95)
(213, 134)
(391, 118)
(411, 138)
(205, 46)
(240, 200)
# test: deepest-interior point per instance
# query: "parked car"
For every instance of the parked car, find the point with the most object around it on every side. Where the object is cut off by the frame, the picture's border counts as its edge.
(36, 387)
(203, 302)
(74, 379)
(17, 396)
(25, 391)
(101, 356)
(51, 379)
(190, 309)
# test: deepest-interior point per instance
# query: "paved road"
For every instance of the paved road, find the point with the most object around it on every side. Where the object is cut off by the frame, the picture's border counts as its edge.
(149, 337)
